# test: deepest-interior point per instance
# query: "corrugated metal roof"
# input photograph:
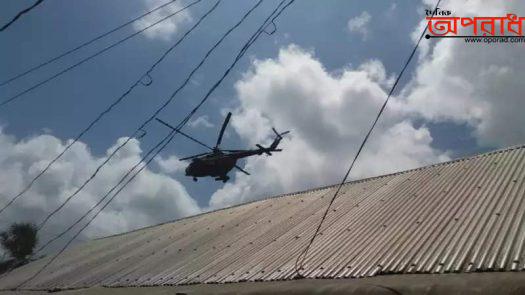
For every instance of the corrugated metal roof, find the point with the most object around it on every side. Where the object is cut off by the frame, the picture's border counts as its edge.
(461, 216)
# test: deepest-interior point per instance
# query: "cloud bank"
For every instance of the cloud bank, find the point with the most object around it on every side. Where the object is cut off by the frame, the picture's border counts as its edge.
(328, 115)
(477, 84)
(151, 198)
(454, 82)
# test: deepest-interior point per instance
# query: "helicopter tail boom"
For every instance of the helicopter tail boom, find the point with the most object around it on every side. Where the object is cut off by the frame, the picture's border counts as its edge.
(274, 145)
(278, 138)
(264, 150)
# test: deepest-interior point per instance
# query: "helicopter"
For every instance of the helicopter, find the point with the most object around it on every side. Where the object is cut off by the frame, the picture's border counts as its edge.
(218, 162)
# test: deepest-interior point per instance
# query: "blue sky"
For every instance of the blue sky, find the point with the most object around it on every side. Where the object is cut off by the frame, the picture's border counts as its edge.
(319, 28)
(66, 104)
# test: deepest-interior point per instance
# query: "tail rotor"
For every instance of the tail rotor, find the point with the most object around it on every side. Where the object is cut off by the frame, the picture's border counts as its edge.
(280, 135)
(275, 143)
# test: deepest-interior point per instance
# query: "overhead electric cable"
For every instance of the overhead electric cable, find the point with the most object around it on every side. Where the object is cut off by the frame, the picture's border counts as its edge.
(105, 49)
(84, 44)
(18, 15)
(152, 117)
(164, 105)
(108, 109)
(163, 143)
(245, 48)
(122, 179)
(299, 263)
(156, 148)
(252, 39)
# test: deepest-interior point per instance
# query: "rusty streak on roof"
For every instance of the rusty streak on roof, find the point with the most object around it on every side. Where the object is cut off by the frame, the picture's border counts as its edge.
(462, 216)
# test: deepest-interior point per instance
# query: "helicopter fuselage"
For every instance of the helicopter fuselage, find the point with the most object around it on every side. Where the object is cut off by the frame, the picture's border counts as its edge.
(217, 164)
(212, 165)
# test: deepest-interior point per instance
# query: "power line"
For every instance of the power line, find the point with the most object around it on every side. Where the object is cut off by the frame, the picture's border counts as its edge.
(164, 105)
(45, 81)
(107, 110)
(166, 140)
(302, 256)
(186, 119)
(108, 158)
(242, 52)
(161, 144)
(84, 44)
(122, 179)
(245, 48)
(38, 2)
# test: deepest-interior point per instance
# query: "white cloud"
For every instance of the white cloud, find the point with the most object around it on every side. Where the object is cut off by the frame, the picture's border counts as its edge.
(480, 85)
(202, 121)
(170, 165)
(359, 24)
(167, 29)
(151, 198)
(328, 115)
(377, 73)
(477, 84)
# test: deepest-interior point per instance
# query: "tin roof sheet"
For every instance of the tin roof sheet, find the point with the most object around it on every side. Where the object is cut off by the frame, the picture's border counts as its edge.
(466, 215)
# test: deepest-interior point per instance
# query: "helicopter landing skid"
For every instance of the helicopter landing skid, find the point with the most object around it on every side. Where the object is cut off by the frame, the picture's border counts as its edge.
(224, 178)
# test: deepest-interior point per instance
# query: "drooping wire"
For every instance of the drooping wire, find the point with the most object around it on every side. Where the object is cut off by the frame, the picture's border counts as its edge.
(276, 13)
(242, 52)
(107, 110)
(18, 15)
(299, 263)
(165, 141)
(139, 132)
(84, 44)
(142, 126)
(163, 106)
(122, 179)
(105, 49)
(156, 148)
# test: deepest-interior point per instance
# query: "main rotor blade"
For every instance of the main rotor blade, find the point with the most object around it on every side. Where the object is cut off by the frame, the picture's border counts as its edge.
(242, 170)
(223, 128)
(194, 156)
(184, 134)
